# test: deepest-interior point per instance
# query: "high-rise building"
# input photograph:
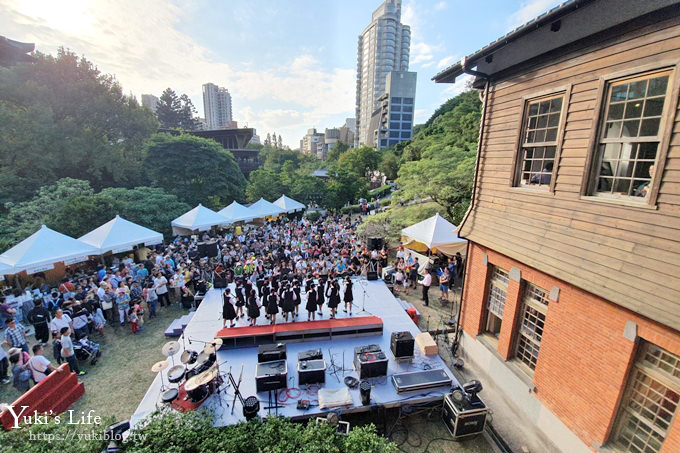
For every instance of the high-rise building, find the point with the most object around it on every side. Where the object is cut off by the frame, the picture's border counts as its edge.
(312, 143)
(383, 47)
(216, 106)
(151, 101)
(392, 121)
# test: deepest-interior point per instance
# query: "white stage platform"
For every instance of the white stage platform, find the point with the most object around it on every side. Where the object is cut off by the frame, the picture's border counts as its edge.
(379, 302)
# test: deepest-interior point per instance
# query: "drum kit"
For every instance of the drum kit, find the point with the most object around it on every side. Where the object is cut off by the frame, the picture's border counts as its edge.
(200, 381)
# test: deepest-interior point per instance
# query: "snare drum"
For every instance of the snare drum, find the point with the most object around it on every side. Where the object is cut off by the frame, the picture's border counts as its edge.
(169, 396)
(188, 357)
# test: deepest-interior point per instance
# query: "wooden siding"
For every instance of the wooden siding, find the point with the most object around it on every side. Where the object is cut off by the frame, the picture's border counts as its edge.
(625, 254)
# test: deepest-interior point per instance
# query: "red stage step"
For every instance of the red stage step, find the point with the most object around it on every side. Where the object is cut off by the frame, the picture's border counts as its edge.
(241, 337)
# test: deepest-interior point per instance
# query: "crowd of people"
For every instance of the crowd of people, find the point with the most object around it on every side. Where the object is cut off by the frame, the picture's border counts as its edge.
(276, 268)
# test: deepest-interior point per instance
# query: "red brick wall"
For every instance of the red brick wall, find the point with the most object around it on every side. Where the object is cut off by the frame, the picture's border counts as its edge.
(584, 358)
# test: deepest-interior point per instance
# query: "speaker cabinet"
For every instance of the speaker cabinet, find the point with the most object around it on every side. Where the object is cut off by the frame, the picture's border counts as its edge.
(465, 418)
(375, 243)
(401, 344)
(271, 352)
(370, 363)
(208, 249)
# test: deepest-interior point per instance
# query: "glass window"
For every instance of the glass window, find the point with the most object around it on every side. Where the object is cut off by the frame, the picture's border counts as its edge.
(650, 401)
(407, 117)
(532, 322)
(408, 101)
(630, 136)
(408, 108)
(495, 301)
(539, 142)
(383, 142)
(396, 100)
(393, 142)
(406, 134)
(406, 126)
(394, 117)
(396, 108)
(395, 126)
(394, 134)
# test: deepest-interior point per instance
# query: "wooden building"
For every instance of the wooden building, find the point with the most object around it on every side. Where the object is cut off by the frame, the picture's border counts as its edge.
(572, 297)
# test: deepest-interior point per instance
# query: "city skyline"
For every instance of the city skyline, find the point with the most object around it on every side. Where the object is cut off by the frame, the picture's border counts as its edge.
(288, 69)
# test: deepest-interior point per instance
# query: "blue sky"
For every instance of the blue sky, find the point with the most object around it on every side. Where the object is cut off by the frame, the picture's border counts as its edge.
(290, 65)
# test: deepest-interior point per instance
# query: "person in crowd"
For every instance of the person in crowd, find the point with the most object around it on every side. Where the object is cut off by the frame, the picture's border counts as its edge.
(39, 318)
(161, 287)
(59, 321)
(123, 302)
(15, 335)
(133, 318)
(68, 353)
(444, 284)
(426, 282)
(151, 299)
(4, 366)
(333, 293)
(39, 366)
(311, 305)
(228, 311)
(252, 307)
(272, 306)
(348, 296)
(21, 377)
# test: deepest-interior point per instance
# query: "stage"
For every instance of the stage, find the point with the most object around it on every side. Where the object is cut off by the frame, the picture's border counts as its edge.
(338, 351)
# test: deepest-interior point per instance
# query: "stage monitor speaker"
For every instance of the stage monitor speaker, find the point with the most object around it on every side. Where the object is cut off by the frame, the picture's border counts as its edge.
(312, 354)
(464, 416)
(219, 282)
(401, 344)
(208, 249)
(271, 375)
(270, 352)
(375, 243)
(311, 372)
(370, 364)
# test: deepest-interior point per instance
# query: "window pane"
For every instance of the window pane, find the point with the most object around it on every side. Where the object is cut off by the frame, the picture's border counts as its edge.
(615, 112)
(630, 128)
(543, 107)
(657, 86)
(650, 127)
(619, 93)
(637, 90)
(556, 105)
(647, 150)
(613, 130)
(533, 109)
(633, 109)
(554, 120)
(551, 134)
(612, 151)
(542, 121)
(653, 107)
(540, 135)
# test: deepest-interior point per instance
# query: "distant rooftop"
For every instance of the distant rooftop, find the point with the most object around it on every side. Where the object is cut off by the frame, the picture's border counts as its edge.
(12, 52)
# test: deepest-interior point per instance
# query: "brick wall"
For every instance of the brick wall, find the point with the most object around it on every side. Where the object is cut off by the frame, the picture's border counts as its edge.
(584, 358)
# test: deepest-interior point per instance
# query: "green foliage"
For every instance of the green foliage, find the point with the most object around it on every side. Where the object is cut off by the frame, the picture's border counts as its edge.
(70, 206)
(60, 117)
(337, 151)
(359, 160)
(63, 436)
(195, 169)
(389, 165)
(389, 224)
(193, 432)
(307, 188)
(438, 163)
(345, 186)
(312, 216)
(176, 112)
(264, 184)
(381, 191)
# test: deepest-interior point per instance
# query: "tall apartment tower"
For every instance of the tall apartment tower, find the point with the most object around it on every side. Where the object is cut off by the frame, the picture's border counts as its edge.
(383, 47)
(216, 106)
(151, 101)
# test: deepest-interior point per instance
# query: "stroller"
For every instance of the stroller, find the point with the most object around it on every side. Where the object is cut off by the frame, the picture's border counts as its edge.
(85, 349)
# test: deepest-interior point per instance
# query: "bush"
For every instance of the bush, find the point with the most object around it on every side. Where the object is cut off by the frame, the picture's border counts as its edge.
(381, 191)
(193, 432)
(312, 216)
(352, 209)
(385, 203)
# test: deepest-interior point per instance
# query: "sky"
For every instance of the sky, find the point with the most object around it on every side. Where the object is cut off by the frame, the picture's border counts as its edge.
(290, 65)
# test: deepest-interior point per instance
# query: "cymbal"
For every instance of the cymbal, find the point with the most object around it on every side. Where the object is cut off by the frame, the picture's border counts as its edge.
(206, 376)
(170, 348)
(210, 349)
(217, 342)
(158, 366)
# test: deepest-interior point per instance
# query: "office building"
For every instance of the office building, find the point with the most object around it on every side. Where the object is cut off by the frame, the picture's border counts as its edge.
(150, 101)
(312, 143)
(392, 121)
(216, 106)
(383, 47)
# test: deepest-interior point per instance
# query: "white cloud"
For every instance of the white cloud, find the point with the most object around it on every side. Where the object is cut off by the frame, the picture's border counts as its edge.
(421, 52)
(139, 43)
(446, 62)
(529, 10)
(420, 116)
(461, 84)
(440, 6)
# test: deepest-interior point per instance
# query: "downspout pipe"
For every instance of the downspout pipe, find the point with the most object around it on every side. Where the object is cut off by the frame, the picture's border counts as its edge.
(482, 127)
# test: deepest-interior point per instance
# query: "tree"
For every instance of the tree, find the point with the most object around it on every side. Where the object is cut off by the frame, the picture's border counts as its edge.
(337, 151)
(307, 188)
(268, 140)
(345, 186)
(176, 112)
(60, 117)
(389, 165)
(360, 160)
(195, 169)
(265, 184)
(280, 144)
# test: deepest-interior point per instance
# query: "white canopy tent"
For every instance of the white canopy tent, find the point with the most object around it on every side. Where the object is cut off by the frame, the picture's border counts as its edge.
(236, 212)
(41, 250)
(289, 205)
(120, 235)
(435, 233)
(198, 219)
(262, 208)
(5, 269)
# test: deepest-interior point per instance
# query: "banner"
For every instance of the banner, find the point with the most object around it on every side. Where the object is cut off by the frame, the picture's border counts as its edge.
(78, 259)
(33, 270)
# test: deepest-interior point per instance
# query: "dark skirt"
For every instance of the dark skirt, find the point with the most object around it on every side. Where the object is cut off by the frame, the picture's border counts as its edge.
(311, 302)
(349, 297)
(228, 311)
(272, 306)
(334, 299)
(253, 310)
